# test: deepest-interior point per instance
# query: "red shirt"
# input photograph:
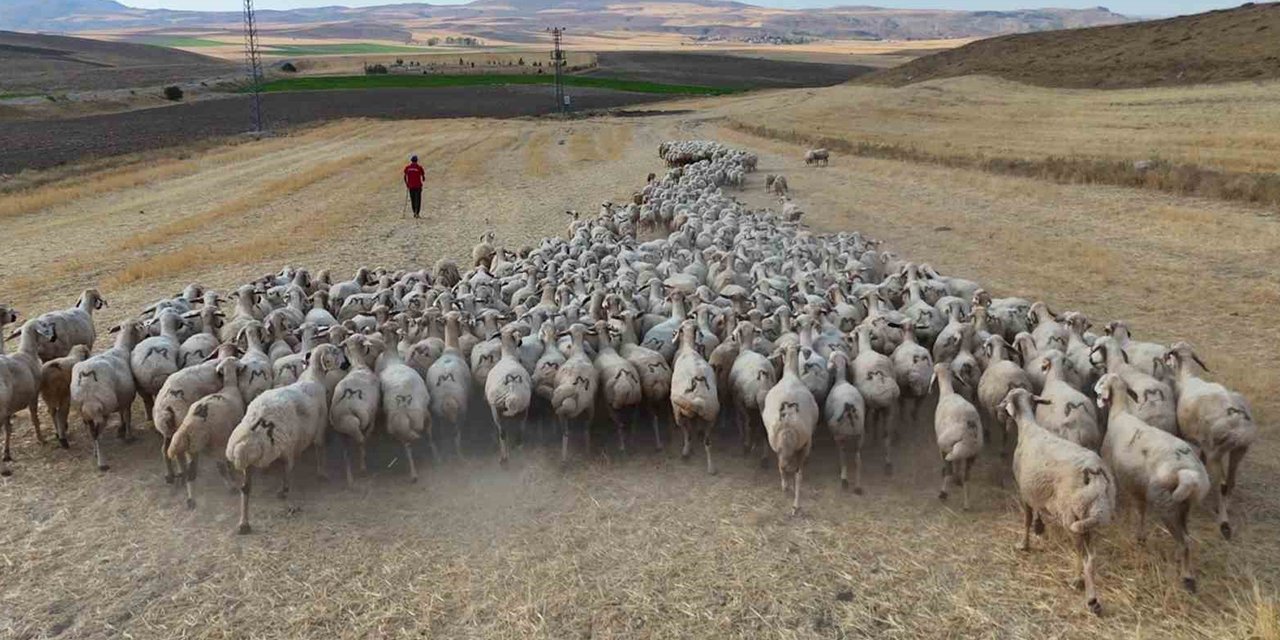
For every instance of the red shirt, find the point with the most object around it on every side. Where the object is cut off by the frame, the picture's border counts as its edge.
(413, 175)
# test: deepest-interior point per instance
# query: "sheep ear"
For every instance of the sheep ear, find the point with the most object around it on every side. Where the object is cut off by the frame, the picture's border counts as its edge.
(1039, 400)
(1199, 361)
(115, 329)
(1046, 365)
(1132, 395)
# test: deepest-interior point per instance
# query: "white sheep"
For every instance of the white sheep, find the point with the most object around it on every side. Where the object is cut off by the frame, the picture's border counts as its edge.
(845, 414)
(406, 404)
(573, 400)
(103, 385)
(282, 423)
(72, 326)
(20, 382)
(1068, 413)
(356, 400)
(1158, 470)
(509, 390)
(156, 358)
(449, 382)
(695, 402)
(790, 416)
(959, 433)
(207, 427)
(1063, 480)
(1216, 420)
(818, 156)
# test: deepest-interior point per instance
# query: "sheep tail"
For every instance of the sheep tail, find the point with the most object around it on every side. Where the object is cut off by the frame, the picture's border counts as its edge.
(1190, 485)
(246, 452)
(168, 422)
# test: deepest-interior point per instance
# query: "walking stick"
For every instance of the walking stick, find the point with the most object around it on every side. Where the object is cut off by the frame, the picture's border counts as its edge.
(405, 209)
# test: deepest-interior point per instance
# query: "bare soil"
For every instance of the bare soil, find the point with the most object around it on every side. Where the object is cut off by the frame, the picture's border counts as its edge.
(55, 64)
(38, 144)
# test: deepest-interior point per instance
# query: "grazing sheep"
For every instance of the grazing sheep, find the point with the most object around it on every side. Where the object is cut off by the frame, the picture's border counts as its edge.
(844, 413)
(1062, 480)
(873, 375)
(207, 427)
(959, 432)
(790, 415)
(282, 423)
(448, 381)
(779, 186)
(620, 385)
(1216, 420)
(356, 399)
(55, 389)
(695, 403)
(509, 390)
(156, 358)
(406, 403)
(817, 157)
(20, 382)
(72, 326)
(1155, 468)
(1068, 413)
(103, 385)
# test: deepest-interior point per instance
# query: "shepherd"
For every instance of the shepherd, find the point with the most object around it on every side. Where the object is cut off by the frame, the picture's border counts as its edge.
(414, 175)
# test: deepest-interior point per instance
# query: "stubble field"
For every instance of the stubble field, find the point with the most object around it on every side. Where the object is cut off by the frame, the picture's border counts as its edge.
(642, 546)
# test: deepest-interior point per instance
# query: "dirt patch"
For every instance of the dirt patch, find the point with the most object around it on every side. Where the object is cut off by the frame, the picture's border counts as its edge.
(1218, 46)
(48, 143)
(49, 64)
(713, 70)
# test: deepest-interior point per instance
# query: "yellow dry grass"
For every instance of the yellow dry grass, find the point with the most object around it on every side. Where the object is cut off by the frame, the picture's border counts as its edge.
(641, 546)
(1228, 126)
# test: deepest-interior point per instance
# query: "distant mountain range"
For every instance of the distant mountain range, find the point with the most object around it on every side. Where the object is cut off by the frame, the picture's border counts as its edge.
(525, 20)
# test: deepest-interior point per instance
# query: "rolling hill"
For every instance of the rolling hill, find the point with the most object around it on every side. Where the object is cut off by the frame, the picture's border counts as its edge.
(1218, 46)
(521, 20)
(47, 63)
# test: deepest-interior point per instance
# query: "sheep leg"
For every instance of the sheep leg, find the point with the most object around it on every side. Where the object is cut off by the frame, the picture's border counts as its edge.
(706, 444)
(503, 455)
(964, 486)
(96, 431)
(857, 466)
(586, 436)
(362, 457)
(1232, 467)
(744, 428)
(687, 449)
(841, 445)
(795, 501)
(169, 476)
(622, 433)
(1027, 515)
(286, 474)
(946, 475)
(1177, 524)
(413, 469)
(8, 435)
(34, 410)
(186, 482)
(245, 486)
(126, 424)
(60, 418)
(322, 456)
(657, 433)
(764, 448)
(457, 439)
(224, 471)
(1084, 557)
(882, 419)
(346, 460)
(148, 403)
(1141, 504)
(564, 441)
(193, 465)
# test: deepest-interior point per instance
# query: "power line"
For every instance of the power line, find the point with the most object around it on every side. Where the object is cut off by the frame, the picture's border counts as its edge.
(253, 64)
(557, 60)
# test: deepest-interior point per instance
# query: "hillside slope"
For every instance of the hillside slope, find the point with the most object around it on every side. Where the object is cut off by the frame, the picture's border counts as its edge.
(1218, 46)
(522, 20)
(61, 63)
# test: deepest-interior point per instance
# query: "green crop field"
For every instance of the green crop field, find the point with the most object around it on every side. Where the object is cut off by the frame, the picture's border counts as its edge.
(344, 48)
(322, 83)
(178, 42)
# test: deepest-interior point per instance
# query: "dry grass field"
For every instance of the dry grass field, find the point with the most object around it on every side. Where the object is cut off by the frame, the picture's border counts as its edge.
(643, 546)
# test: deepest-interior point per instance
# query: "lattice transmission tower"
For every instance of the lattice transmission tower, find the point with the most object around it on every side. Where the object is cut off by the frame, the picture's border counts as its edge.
(253, 64)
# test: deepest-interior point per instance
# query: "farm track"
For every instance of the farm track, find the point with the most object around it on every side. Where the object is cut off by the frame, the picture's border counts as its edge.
(643, 546)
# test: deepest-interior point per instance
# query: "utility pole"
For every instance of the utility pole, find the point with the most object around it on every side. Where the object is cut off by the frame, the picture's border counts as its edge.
(557, 60)
(253, 64)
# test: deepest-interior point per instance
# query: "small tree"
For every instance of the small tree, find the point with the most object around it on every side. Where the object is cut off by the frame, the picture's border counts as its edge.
(433, 41)
(173, 92)
(288, 68)
(520, 62)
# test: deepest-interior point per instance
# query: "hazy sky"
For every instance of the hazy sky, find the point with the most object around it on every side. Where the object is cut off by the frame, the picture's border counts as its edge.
(1129, 7)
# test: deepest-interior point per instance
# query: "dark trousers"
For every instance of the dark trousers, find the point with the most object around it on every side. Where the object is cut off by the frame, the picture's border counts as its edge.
(415, 199)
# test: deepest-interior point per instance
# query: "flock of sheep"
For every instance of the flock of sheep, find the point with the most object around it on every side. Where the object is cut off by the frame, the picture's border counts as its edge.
(734, 317)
